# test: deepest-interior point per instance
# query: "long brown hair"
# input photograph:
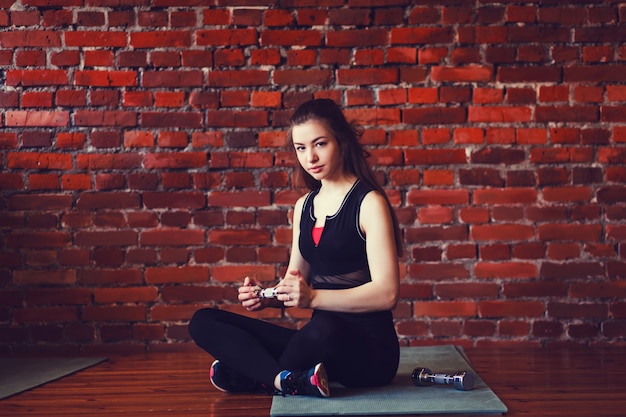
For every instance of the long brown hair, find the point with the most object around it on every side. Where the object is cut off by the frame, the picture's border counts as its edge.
(353, 155)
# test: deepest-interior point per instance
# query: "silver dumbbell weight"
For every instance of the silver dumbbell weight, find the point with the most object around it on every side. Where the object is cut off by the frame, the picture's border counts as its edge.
(462, 380)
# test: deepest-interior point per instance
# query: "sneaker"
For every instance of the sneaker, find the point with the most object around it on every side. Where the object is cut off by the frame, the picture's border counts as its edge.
(226, 380)
(313, 382)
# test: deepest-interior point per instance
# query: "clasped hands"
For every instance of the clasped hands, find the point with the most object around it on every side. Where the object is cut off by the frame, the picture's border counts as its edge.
(291, 291)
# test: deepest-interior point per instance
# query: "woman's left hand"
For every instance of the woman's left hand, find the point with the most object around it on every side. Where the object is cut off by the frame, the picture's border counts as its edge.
(294, 291)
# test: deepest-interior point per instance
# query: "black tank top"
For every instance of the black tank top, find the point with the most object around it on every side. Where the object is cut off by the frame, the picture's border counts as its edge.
(340, 261)
(340, 258)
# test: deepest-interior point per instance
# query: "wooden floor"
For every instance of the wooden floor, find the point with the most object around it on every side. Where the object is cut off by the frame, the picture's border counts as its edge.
(532, 382)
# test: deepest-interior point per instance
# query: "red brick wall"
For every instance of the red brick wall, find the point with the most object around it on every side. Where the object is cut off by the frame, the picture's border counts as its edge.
(144, 172)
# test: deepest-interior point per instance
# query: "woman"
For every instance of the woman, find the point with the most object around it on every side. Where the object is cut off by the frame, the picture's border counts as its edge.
(343, 266)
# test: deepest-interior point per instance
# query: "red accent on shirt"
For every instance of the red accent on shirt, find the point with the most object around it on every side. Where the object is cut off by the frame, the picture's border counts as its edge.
(317, 234)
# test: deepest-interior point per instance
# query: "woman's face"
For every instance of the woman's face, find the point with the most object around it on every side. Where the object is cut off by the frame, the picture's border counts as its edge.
(317, 150)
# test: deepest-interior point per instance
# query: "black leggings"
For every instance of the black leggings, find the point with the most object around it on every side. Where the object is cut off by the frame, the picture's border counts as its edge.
(260, 350)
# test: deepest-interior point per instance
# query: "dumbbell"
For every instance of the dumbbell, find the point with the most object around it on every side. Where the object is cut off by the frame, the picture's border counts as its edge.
(462, 380)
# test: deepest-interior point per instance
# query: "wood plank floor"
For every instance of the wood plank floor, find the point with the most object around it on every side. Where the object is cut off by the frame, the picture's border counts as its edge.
(531, 382)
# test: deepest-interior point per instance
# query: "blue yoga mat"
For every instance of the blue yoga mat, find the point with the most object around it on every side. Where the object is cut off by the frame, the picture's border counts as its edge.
(401, 397)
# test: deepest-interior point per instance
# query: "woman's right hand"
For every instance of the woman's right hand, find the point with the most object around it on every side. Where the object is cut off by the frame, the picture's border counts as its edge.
(248, 295)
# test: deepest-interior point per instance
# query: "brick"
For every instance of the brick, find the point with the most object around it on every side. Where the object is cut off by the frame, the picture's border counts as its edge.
(614, 329)
(114, 313)
(427, 254)
(367, 76)
(125, 295)
(611, 194)
(106, 78)
(20, 118)
(47, 277)
(108, 238)
(303, 77)
(166, 237)
(505, 196)
(553, 155)
(506, 270)
(143, 181)
(226, 37)
(502, 232)
(566, 114)
(183, 274)
(423, 197)
(535, 289)
(37, 240)
(369, 57)
(521, 74)
(92, 200)
(437, 271)
(465, 290)
(412, 328)
(484, 177)
(105, 118)
(591, 290)
(46, 314)
(616, 232)
(563, 194)
(468, 135)
(435, 233)
(238, 199)
(76, 182)
(474, 215)
(30, 39)
(509, 328)
(577, 310)
(301, 57)
(435, 215)
(236, 273)
(291, 37)
(95, 39)
(549, 329)
(174, 140)
(589, 232)
(96, 162)
(175, 160)
(32, 78)
(11, 181)
(174, 200)
(496, 308)
(156, 39)
(415, 291)
(215, 16)
(435, 156)
(58, 296)
(472, 73)
(489, 114)
(181, 78)
(428, 116)
(239, 237)
(193, 293)
(420, 36)
(356, 37)
(583, 331)
(571, 270)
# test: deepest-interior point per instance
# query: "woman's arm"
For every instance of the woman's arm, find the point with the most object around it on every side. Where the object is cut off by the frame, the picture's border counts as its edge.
(379, 294)
(248, 292)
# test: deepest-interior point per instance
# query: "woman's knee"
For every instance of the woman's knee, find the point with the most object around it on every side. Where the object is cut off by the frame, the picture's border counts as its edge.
(200, 320)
